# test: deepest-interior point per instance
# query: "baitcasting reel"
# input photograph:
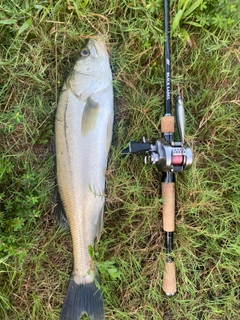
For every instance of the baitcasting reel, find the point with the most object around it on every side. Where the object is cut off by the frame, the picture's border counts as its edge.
(166, 155)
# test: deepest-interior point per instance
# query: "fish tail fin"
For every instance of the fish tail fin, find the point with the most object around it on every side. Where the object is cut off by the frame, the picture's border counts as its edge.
(84, 298)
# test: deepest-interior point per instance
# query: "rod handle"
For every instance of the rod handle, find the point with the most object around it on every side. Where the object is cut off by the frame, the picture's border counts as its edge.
(169, 279)
(168, 195)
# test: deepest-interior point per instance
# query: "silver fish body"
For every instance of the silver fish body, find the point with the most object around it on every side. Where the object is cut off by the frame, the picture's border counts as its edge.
(83, 129)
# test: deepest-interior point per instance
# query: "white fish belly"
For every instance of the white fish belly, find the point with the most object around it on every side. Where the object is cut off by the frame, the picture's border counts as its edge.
(81, 166)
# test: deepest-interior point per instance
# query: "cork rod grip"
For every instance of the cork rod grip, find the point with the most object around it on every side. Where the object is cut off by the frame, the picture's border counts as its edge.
(167, 124)
(169, 279)
(168, 195)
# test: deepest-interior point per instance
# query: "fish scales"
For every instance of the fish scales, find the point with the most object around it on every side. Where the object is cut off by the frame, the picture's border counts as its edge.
(83, 130)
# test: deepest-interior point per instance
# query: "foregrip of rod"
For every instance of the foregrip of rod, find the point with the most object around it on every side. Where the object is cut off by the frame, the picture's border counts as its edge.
(169, 277)
(167, 127)
(167, 124)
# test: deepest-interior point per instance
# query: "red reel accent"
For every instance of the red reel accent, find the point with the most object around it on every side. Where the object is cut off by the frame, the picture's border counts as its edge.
(177, 160)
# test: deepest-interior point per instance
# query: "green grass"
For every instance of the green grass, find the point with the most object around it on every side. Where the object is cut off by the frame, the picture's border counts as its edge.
(39, 43)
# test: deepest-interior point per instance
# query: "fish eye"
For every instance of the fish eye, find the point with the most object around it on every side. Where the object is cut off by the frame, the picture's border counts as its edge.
(85, 52)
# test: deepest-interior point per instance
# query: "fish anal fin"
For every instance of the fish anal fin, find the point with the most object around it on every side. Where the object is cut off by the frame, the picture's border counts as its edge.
(89, 117)
(59, 211)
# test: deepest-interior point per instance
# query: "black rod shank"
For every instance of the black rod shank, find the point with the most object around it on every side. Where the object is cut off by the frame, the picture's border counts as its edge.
(167, 62)
(169, 245)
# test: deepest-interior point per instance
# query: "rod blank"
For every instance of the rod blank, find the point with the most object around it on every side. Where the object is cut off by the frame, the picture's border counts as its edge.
(167, 64)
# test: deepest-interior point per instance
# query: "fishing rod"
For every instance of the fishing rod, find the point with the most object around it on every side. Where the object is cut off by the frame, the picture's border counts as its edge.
(169, 156)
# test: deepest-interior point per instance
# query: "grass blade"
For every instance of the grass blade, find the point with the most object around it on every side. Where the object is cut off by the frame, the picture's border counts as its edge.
(8, 21)
(176, 20)
(193, 7)
(27, 24)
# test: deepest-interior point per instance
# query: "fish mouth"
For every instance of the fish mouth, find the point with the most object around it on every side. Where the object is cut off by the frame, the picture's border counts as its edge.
(97, 46)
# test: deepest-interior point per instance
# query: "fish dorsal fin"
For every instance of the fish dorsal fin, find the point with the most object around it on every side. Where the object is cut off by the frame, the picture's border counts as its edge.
(89, 117)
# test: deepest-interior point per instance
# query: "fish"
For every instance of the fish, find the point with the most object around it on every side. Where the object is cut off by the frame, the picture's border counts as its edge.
(83, 135)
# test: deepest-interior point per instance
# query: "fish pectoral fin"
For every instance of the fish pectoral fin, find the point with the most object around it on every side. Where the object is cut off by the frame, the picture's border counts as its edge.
(89, 117)
(99, 225)
(59, 212)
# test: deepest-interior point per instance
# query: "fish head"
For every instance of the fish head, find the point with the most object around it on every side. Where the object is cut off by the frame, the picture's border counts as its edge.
(94, 60)
(97, 47)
